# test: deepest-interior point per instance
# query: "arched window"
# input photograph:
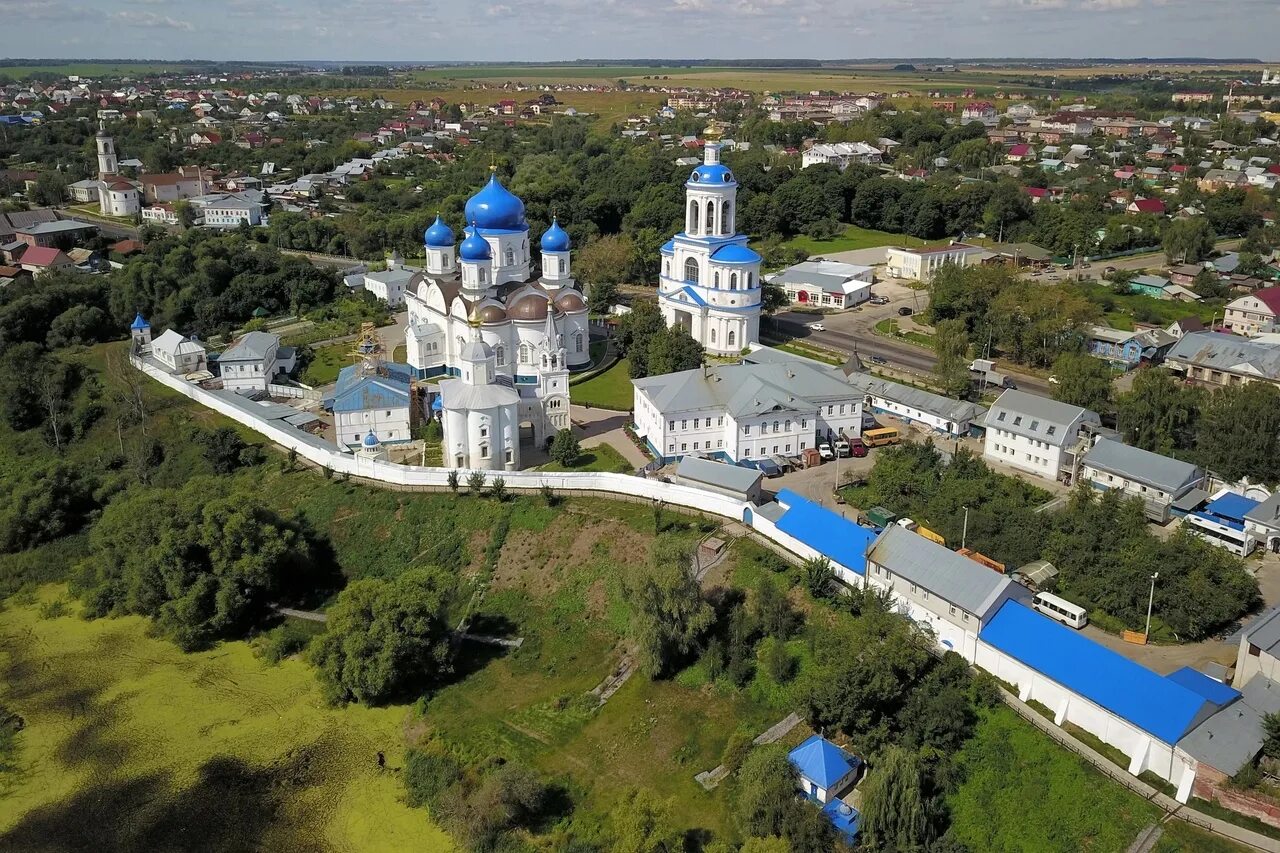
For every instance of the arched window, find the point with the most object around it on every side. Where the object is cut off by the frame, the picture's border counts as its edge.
(724, 217)
(484, 430)
(715, 278)
(733, 281)
(500, 352)
(484, 450)
(693, 218)
(731, 337)
(524, 353)
(713, 336)
(691, 270)
(711, 218)
(484, 275)
(666, 268)
(748, 284)
(511, 256)
(461, 341)
(577, 342)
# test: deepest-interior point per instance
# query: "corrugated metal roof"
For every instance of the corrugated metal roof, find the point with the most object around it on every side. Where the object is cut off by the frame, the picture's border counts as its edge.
(743, 389)
(1134, 463)
(1221, 351)
(821, 761)
(252, 347)
(1195, 680)
(828, 533)
(1153, 703)
(733, 477)
(941, 571)
(1033, 416)
(928, 402)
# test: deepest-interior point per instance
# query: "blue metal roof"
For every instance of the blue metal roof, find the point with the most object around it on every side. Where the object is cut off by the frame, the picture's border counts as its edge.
(844, 817)
(439, 235)
(1219, 519)
(827, 532)
(1157, 705)
(356, 393)
(694, 297)
(371, 440)
(475, 247)
(496, 207)
(668, 247)
(711, 173)
(1195, 680)
(1231, 506)
(555, 238)
(735, 254)
(139, 322)
(821, 761)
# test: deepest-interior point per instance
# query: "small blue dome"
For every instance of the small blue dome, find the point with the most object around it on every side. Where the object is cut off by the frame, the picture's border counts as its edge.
(555, 238)
(735, 254)
(439, 235)
(475, 247)
(139, 323)
(497, 208)
(371, 440)
(713, 174)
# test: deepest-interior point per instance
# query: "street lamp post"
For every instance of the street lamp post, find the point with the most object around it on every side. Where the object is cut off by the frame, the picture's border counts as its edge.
(964, 534)
(1151, 600)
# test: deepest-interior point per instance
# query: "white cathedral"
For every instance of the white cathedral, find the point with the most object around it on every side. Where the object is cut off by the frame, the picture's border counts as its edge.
(503, 339)
(710, 281)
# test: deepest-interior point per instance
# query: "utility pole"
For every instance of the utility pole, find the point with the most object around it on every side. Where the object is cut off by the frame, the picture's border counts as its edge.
(1151, 600)
(964, 534)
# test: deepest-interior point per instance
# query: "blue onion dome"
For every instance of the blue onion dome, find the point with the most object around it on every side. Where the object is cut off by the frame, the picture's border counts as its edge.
(139, 323)
(371, 440)
(555, 238)
(439, 235)
(496, 208)
(475, 247)
(711, 174)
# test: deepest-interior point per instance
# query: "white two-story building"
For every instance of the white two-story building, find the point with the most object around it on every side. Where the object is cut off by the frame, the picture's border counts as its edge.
(253, 362)
(737, 412)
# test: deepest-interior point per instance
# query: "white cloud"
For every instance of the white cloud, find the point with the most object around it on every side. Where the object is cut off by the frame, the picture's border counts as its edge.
(152, 20)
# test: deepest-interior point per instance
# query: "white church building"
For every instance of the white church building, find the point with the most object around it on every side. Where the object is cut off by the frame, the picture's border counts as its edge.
(710, 282)
(534, 325)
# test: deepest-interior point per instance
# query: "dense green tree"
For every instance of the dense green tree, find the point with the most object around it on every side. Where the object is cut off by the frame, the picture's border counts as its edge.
(1083, 381)
(384, 637)
(1158, 412)
(641, 822)
(1188, 240)
(1239, 432)
(951, 370)
(764, 793)
(673, 350)
(201, 564)
(773, 611)
(565, 449)
(636, 331)
(602, 265)
(894, 815)
(669, 615)
(44, 504)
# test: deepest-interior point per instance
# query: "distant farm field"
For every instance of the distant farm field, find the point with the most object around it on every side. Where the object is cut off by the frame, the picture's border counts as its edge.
(607, 107)
(132, 744)
(91, 69)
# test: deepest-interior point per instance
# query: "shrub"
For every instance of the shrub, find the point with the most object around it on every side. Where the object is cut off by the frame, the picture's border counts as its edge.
(565, 449)
(427, 775)
(475, 482)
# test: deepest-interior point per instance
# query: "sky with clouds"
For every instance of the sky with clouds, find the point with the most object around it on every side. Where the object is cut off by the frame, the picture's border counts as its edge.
(496, 30)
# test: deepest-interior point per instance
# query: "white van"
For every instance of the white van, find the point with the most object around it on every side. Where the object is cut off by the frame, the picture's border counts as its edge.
(1059, 608)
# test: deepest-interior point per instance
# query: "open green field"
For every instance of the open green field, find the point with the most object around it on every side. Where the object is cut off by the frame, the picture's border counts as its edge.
(605, 107)
(602, 457)
(853, 238)
(132, 744)
(889, 328)
(92, 69)
(610, 390)
(326, 363)
(1120, 311)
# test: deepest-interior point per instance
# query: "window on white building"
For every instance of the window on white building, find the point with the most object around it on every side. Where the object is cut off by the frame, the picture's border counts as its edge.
(732, 335)
(691, 271)
(713, 336)
(484, 450)
(684, 425)
(746, 429)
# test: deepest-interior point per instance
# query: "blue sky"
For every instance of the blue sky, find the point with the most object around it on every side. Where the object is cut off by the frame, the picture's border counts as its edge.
(427, 30)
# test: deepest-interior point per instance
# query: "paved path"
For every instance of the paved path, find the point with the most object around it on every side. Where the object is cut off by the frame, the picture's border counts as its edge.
(1147, 839)
(309, 615)
(604, 426)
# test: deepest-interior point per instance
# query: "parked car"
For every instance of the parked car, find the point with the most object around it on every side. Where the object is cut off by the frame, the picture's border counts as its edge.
(1009, 383)
(824, 450)
(904, 311)
(879, 359)
(817, 327)
(856, 448)
(1108, 270)
(879, 300)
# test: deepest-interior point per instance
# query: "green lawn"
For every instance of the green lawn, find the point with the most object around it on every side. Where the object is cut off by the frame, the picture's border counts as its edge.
(796, 348)
(889, 328)
(1120, 311)
(853, 238)
(602, 457)
(610, 390)
(130, 743)
(326, 363)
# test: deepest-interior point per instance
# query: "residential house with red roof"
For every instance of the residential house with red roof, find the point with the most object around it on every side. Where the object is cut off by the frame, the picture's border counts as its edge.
(1248, 315)
(40, 259)
(1020, 153)
(1145, 205)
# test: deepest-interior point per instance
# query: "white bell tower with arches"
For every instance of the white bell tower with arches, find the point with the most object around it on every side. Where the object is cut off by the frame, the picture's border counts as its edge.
(710, 279)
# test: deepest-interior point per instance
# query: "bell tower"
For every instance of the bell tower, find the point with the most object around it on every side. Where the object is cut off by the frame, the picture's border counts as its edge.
(108, 163)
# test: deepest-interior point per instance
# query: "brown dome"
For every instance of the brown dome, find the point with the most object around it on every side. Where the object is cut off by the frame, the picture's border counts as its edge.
(571, 301)
(491, 313)
(529, 307)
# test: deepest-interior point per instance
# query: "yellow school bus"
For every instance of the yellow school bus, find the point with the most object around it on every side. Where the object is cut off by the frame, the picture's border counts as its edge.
(880, 437)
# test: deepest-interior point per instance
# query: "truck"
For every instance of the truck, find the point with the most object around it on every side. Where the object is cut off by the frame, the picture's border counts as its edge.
(984, 366)
(824, 450)
(982, 559)
(916, 527)
(841, 447)
(878, 516)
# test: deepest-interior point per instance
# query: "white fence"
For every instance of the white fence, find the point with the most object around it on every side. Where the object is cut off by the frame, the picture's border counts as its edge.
(296, 392)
